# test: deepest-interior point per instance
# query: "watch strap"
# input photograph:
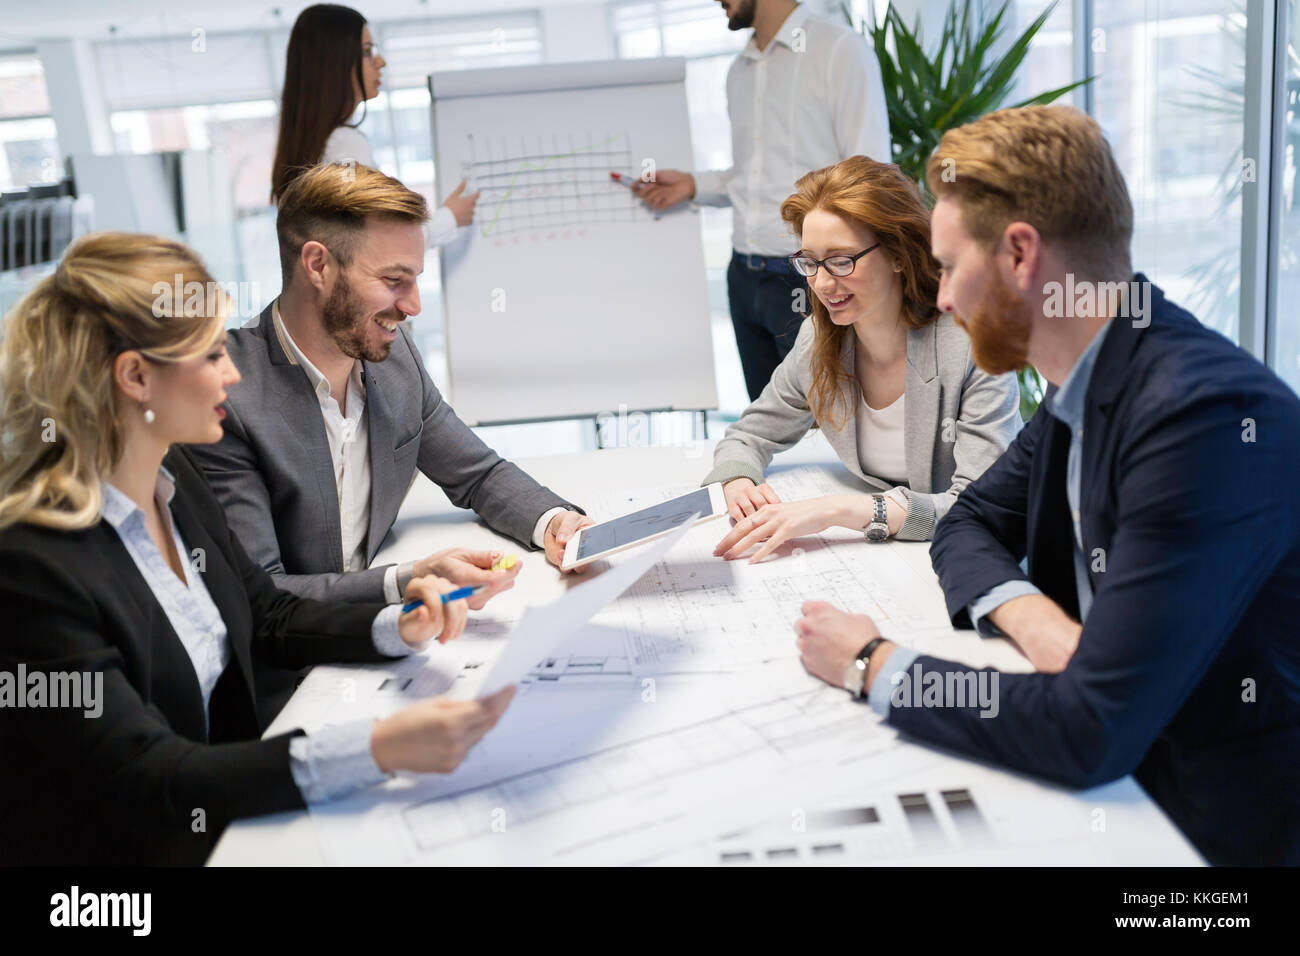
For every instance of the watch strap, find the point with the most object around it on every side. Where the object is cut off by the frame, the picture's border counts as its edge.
(869, 648)
(855, 674)
(878, 529)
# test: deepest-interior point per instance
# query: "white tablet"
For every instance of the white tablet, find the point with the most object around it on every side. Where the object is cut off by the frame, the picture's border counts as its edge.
(600, 540)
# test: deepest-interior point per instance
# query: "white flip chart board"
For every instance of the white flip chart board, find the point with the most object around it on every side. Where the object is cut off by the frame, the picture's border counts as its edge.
(567, 297)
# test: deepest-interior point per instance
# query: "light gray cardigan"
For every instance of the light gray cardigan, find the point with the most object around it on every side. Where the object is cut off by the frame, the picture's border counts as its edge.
(957, 421)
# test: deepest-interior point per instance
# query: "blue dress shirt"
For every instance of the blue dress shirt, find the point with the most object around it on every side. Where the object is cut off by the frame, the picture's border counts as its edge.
(1067, 405)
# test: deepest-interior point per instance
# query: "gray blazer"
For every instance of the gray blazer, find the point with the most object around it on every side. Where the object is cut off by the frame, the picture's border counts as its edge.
(273, 473)
(957, 421)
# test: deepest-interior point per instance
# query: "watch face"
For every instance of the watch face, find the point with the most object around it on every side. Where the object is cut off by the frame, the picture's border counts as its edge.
(855, 673)
(877, 533)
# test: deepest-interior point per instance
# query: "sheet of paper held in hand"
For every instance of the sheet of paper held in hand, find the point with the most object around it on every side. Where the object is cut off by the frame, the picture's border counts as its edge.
(543, 629)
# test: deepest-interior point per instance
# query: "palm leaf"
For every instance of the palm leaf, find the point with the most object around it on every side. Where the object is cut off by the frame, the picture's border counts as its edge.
(927, 94)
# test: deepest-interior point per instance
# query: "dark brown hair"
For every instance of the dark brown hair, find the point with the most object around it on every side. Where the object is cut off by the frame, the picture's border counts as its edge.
(881, 197)
(323, 58)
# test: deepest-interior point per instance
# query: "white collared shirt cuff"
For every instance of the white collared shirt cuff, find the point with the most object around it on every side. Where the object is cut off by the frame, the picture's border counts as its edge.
(710, 188)
(991, 600)
(539, 529)
(441, 227)
(334, 761)
(392, 592)
(385, 636)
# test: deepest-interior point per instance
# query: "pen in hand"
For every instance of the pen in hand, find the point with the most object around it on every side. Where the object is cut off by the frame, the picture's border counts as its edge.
(455, 595)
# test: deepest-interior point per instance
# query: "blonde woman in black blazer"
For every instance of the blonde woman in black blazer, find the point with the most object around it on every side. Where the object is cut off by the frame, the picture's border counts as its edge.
(161, 749)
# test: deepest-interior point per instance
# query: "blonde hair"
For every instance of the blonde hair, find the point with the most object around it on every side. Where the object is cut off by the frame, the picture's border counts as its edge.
(881, 197)
(331, 204)
(1048, 166)
(62, 425)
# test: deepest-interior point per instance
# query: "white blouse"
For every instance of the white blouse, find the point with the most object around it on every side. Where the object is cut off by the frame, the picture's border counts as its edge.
(881, 449)
(347, 142)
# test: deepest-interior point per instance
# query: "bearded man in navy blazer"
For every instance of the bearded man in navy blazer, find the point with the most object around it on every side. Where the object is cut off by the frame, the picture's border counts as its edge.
(1140, 539)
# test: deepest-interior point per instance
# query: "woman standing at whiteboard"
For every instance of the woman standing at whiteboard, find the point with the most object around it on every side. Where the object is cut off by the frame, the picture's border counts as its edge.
(889, 380)
(331, 67)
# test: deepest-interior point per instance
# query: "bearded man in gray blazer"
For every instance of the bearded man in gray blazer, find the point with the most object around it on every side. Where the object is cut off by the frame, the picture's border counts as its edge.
(335, 411)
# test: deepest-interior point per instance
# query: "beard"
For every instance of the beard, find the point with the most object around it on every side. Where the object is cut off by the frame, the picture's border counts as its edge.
(346, 322)
(741, 15)
(999, 328)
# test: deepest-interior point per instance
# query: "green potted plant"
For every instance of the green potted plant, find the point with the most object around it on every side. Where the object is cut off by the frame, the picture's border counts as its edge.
(956, 81)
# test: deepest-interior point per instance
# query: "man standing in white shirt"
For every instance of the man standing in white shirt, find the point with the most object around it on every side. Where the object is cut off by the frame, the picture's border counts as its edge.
(802, 94)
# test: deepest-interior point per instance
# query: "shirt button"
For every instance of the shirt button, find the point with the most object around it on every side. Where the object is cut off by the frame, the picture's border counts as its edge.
(1075, 514)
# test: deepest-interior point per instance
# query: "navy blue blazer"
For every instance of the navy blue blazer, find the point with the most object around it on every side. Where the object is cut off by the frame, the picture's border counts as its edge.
(1187, 673)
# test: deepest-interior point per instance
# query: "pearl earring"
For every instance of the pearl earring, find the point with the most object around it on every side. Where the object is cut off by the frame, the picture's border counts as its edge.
(149, 416)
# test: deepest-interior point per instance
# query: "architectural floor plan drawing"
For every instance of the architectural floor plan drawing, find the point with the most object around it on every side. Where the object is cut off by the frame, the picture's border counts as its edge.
(679, 725)
(602, 776)
(695, 613)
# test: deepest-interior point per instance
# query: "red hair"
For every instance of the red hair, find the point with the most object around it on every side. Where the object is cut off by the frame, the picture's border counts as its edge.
(881, 197)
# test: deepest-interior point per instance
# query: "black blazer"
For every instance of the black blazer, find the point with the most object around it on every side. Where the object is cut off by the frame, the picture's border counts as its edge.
(1188, 670)
(143, 782)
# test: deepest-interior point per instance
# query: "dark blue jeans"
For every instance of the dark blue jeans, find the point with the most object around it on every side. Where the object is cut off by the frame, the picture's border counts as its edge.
(764, 313)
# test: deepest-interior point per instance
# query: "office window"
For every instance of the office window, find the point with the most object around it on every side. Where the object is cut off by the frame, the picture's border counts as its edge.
(153, 72)
(1285, 348)
(414, 49)
(687, 28)
(198, 91)
(245, 132)
(692, 28)
(1168, 94)
(1049, 62)
(29, 146)
(636, 30)
(206, 90)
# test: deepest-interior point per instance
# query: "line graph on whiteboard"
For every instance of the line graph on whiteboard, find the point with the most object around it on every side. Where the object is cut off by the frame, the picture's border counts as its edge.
(550, 185)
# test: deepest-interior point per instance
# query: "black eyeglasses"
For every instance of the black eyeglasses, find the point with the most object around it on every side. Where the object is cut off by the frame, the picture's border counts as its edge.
(835, 265)
(370, 51)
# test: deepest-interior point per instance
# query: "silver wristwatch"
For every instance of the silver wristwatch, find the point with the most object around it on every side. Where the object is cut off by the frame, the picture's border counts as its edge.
(878, 530)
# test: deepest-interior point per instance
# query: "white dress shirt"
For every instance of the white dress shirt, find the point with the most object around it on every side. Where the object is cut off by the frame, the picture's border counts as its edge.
(811, 99)
(349, 143)
(1067, 405)
(349, 441)
(188, 605)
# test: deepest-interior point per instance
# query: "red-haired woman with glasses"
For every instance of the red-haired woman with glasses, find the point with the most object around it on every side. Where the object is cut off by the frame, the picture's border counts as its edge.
(888, 379)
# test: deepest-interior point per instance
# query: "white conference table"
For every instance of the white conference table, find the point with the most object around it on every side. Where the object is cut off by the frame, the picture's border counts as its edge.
(428, 522)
